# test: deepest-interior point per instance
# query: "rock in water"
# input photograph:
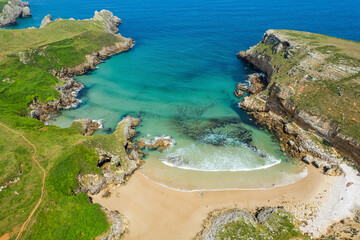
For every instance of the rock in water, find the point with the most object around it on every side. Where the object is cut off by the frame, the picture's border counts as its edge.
(257, 83)
(239, 93)
(160, 143)
(46, 20)
(107, 19)
(13, 10)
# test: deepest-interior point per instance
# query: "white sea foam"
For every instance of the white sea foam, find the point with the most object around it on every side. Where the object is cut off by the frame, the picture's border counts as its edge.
(100, 122)
(219, 160)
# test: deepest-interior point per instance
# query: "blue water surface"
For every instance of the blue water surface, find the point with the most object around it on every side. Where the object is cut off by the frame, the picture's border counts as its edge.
(183, 68)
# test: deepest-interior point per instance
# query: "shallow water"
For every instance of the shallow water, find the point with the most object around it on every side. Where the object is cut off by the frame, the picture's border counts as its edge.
(180, 77)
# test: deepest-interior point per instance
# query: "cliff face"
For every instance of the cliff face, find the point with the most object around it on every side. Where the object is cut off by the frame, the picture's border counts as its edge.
(312, 82)
(13, 10)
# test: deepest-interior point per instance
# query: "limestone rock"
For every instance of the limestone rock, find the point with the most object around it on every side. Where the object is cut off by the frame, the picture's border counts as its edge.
(89, 126)
(91, 183)
(118, 225)
(307, 159)
(107, 19)
(159, 143)
(241, 87)
(12, 10)
(257, 83)
(238, 93)
(46, 20)
(253, 104)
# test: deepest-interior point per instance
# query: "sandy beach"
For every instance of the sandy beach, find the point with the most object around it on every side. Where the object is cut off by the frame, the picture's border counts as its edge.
(156, 212)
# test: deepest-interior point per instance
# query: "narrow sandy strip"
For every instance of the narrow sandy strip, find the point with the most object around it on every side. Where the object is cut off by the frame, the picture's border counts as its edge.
(23, 227)
(157, 212)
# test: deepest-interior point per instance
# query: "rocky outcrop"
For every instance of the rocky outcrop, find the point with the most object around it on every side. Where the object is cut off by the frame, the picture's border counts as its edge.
(159, 143)
(273, 109)
(13, 10)
(217, 219)
(108, 20)
(116, 164)
(257, 83)
(95, 58)
(117, 223)
(68, 91)
(88, 126)
(46, 20)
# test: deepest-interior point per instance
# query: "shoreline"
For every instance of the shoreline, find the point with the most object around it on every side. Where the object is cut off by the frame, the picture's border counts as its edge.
(141, 201)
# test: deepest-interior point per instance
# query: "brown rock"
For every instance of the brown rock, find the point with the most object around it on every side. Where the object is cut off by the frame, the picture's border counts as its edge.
(89, 126)
(241, 87)
(239, 93)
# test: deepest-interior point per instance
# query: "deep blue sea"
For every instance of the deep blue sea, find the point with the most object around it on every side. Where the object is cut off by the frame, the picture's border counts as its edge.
(181, 74)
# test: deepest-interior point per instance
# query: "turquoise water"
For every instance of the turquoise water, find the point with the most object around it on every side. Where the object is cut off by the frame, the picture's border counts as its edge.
(180, 76)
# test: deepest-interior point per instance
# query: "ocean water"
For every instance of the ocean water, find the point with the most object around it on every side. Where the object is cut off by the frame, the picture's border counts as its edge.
(180, 76)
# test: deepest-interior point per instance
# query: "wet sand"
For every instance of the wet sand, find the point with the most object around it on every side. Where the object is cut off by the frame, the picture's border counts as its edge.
(156, 212)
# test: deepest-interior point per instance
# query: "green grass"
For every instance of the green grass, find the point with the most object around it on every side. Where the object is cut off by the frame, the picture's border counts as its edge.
(64, 153)
(2, 4)
(279, 226)
(321, 96)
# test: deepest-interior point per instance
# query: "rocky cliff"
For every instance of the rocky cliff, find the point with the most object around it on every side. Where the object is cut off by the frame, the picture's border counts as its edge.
(13, 10)
(313, 88)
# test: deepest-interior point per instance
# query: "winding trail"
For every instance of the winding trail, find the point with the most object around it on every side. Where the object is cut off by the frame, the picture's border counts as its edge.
(23, 227)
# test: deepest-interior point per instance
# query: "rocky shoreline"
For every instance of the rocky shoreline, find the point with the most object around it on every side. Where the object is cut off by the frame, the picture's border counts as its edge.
(116, 164)
(293, 127)
(71, 88)
(13, 10)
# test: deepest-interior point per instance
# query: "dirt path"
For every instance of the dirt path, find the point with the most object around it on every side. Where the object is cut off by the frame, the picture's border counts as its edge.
(23, 227)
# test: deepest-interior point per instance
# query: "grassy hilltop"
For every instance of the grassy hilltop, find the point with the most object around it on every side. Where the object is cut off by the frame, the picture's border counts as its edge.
(323, 73)
(26, 57)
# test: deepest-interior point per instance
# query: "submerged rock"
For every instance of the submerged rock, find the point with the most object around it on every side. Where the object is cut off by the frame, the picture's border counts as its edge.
(217, 132)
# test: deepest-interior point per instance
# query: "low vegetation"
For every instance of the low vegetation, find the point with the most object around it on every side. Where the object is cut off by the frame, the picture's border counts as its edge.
(324, 74)
(279, 226)
(26, 56)
(2, 4)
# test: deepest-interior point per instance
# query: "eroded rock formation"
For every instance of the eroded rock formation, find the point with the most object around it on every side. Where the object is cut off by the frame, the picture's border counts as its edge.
(13, 10)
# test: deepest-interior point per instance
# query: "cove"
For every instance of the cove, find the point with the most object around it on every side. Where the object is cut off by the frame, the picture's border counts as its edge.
(179, 78)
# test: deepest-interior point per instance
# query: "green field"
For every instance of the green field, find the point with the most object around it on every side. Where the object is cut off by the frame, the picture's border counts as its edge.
(26, 56)
(324, 75)
(2, 4)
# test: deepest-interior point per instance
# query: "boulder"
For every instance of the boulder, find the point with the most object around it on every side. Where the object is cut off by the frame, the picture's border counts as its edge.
(317, 163)
(160, 143)
(307, 159)
(257, 83)
(241, 87)
(238, 93)
(46, 20)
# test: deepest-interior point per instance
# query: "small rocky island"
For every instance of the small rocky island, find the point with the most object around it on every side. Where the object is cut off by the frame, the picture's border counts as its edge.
(12, 10)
